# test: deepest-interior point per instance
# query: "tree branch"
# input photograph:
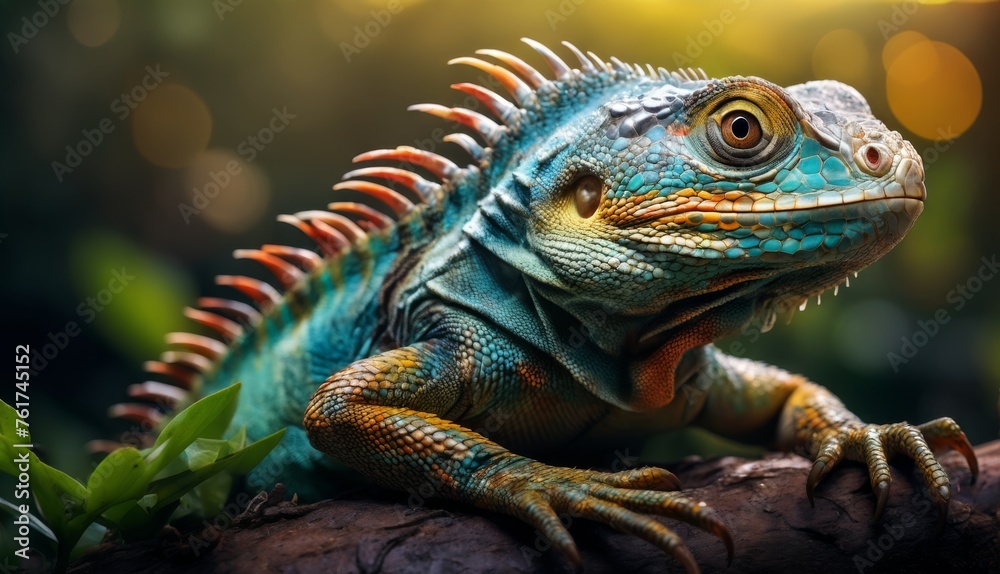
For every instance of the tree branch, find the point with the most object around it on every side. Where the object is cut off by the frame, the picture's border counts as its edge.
(762, 501)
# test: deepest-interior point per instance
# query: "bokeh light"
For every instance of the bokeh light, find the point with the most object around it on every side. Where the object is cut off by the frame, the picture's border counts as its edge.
(185, 22)
(93, 22)
(172, 126)
(842, 55)
(235, 194)
(899, 42)
(151, 290)
(933, 89)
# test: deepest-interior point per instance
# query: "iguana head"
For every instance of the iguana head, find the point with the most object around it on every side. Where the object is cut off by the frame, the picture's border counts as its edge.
(661, 197)
(720, 186)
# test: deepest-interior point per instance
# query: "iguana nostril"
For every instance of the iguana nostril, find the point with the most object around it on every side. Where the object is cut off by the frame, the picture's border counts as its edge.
(874, 159)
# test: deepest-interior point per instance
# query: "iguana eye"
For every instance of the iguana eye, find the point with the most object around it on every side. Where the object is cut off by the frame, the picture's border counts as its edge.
(587, 193)
(746, 133)
(741, 129)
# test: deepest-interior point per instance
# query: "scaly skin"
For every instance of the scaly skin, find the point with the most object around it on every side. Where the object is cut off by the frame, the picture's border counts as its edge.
(572, 281)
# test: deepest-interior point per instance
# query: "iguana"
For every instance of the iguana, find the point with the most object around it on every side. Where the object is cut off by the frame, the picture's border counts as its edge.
(614, 221)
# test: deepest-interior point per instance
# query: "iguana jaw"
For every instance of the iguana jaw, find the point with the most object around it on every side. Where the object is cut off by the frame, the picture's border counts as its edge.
(793, 270)
(776, 278)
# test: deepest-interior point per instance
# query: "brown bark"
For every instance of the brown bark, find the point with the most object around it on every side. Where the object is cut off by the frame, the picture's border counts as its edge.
(762, 501)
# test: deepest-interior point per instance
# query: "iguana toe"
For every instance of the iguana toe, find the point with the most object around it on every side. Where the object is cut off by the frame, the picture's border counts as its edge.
(945, 433)
(874, 445)
(547, 496)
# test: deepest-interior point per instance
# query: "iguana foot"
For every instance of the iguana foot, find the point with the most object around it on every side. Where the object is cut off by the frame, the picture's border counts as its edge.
(875, 444)
(539, 494)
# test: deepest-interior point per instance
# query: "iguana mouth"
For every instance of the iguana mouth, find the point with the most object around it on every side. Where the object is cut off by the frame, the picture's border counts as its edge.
(821, 233)
(807, 208)
(781, 288)
(902, 193)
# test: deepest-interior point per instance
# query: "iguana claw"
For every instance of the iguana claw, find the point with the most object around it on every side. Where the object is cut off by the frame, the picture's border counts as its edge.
(875, 444)
(541, 495)
(943, 433)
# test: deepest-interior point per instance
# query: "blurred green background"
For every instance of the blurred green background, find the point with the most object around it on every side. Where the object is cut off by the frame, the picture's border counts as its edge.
(167, 93)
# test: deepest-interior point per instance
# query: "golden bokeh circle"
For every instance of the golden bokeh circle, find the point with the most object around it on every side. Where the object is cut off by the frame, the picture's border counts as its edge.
(900, 42)
(226, 192)
(93, 22)
(842, 55)
(172, 126)
(914, 64)
(934, 90)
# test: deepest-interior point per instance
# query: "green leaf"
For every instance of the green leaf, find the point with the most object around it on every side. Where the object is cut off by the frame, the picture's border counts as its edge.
(209, 497)
(148, 501)
(219, 423)
(114, 515)
(238, 440)
(43, 540)
(8, 438)
(251, 456)
(119, 477)
(171, 488)
(178, 464)
(65, 483)
(8, 424)
(49, 496)
(122, 492)
(8, 464)
(205, 451)
(33, 522)
(92, 536)
(139, 521)
(135, 523)
(207, 418)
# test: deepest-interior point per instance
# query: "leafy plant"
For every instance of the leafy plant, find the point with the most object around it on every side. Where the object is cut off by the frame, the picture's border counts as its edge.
(136, 491)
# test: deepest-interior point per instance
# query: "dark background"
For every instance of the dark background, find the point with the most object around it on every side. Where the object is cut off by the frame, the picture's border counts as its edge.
(227, 69)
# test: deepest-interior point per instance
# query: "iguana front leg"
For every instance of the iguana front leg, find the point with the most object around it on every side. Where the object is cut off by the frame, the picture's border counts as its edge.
(382, 416)
(744, 395)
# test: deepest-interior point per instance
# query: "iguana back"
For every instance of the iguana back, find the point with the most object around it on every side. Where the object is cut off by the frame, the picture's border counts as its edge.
(328, 313)
(329, 307)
